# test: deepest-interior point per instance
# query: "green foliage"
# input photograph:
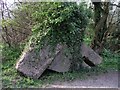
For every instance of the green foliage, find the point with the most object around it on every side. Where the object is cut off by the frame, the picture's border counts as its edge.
(12, 79)
(11, 53)
(112, 42)
(16, 28)
(56, 22)
(89, 34)
(110, 60)
(60, 22)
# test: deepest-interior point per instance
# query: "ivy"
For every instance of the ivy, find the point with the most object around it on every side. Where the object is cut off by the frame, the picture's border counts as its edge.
(60, 22)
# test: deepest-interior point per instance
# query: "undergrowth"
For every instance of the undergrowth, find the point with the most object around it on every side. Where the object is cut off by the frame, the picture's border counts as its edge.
(12, 79)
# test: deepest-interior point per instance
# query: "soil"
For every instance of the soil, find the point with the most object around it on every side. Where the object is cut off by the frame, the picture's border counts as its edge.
(104, 80)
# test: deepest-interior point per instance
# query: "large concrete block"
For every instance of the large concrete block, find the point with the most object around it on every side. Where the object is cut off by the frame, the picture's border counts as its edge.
(90, 54)
(33, 64)
(61, 62)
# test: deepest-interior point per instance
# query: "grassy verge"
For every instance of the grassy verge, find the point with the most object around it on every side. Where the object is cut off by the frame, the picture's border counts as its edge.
(110, 60)
(12, 79)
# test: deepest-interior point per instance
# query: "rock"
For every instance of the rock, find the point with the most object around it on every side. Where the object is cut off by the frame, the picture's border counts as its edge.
(90, 55)
(61, 62)
(33, 65)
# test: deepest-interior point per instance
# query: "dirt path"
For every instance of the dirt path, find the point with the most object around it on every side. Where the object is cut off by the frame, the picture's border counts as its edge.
(105, 80)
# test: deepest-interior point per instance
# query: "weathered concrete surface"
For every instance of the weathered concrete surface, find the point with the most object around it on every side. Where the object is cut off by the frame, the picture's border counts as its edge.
(33, 65)
(90, 54)
(61, 62)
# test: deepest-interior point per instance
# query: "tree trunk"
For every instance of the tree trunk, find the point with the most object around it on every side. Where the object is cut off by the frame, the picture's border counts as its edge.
(100, 20)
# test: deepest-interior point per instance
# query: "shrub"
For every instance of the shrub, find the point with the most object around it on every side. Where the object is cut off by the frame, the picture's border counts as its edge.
(60, 22)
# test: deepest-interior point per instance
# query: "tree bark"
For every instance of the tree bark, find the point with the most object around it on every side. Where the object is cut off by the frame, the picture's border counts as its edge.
(101, 15)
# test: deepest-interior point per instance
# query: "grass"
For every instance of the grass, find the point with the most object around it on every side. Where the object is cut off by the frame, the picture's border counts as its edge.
(12, 79)
(110, 60)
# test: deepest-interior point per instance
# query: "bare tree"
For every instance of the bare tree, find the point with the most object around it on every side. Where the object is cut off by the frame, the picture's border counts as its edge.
(16, 24)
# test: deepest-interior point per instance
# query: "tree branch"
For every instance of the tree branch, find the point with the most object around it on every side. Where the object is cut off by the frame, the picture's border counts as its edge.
(115, 5)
